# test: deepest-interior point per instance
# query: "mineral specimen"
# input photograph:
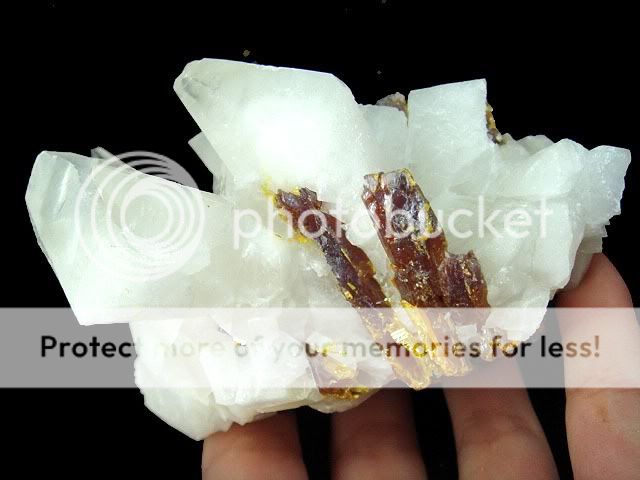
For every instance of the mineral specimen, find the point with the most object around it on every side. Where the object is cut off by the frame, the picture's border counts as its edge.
(529, 209)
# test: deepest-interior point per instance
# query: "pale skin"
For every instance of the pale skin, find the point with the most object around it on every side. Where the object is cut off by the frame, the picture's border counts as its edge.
(491, 426)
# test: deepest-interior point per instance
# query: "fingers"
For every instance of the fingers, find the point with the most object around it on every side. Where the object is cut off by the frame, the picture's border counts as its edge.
(377, 439)
(603, 425)
(596, 309)
(602, 286)
(266, 449)
(498, 434)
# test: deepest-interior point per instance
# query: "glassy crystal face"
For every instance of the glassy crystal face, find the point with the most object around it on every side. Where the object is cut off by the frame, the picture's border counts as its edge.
(355, 277)
(266, 129)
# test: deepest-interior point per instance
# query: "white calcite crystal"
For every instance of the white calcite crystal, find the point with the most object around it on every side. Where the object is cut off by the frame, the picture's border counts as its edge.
(266, 128)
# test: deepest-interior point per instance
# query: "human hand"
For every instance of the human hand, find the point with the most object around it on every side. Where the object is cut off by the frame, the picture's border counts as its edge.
(497, 432)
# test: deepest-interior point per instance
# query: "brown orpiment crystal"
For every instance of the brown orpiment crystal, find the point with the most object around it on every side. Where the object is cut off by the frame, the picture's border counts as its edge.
(356, 278)
(349, 264)
(425, 273)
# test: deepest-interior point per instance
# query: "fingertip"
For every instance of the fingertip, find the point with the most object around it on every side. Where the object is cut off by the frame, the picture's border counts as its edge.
(601, 286)
(267, 448)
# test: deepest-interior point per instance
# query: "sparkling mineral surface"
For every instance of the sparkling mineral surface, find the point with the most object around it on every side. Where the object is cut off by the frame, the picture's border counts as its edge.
(532, 210)
(424, 272)
(355, 277)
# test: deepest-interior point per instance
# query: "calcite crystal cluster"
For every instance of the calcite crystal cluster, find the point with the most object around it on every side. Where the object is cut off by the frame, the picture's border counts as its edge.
(520, 219)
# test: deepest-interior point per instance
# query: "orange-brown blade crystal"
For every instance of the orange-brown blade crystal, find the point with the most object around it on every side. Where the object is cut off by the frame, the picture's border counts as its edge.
(356, 278)
(425, 273)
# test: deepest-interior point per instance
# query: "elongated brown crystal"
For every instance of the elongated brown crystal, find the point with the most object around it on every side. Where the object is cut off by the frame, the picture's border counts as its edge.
(425, 273)
(349, 263)
(356, 278)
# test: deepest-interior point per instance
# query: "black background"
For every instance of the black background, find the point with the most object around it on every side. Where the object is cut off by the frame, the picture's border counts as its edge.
(76, 76)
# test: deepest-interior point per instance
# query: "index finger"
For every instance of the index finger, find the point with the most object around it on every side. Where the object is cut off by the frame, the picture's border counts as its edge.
(603, 425)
